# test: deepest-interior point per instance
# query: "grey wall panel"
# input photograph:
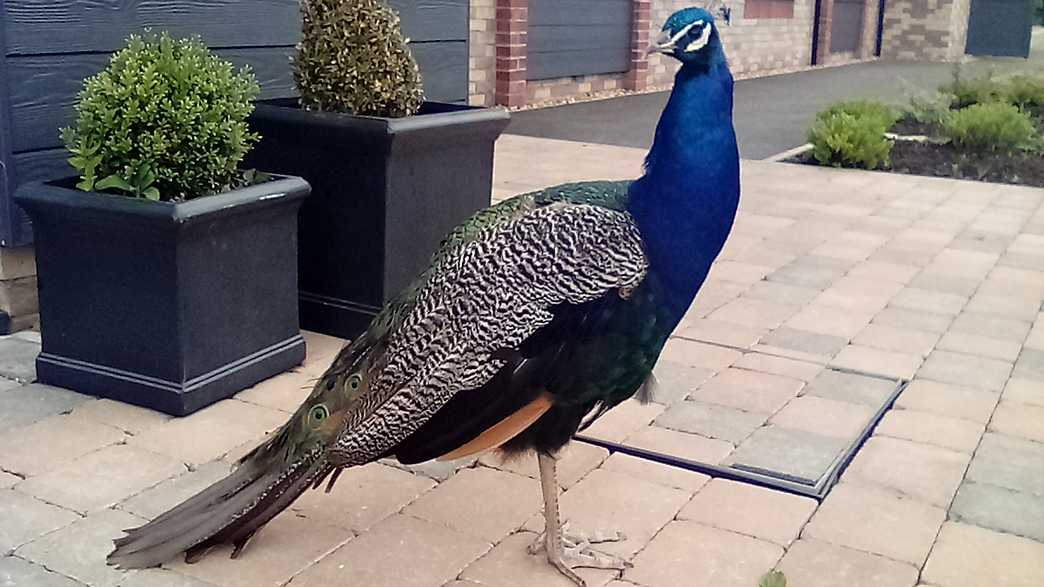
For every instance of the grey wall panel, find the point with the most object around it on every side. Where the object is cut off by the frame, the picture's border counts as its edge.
(578, 37)
(71, 26)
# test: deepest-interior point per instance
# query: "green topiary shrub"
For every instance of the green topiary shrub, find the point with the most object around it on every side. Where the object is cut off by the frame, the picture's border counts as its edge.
(166, 120)
(353, 59)
(990, 128)
(852, 134)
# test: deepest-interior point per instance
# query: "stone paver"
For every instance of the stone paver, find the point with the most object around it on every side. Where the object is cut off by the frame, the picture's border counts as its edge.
(1024, 391)
(980, 372)
(129, 418)
(805, 341)
(750, 391)
(623, 420)
(697, 354)
(824, 416)
(154, 501)
(654, 472)
(877, 361)
(812, 563)
(829, 320)
(775, 365)
(929, 428)
(755, 313)
(8, 480)
(1030, 365)
(782, 293)
(51, 442)
(700, 556)
(967, 555)
(283, 392)
(607, 501)
(914, 319)
(24, 518)
(18, 359)
(1019, 420)
(924, 300)
(948, 399)
(452, 503)
(15, 571)
(401, 551)
(850, 387)
(92, 537)
(991, 326)
(225, 425)
(26, 404)
(900, 340)
(674, 382)
(723, 333)
(680, 444)
(1009, 462)
(102, 478)
(509, 564)
(997, 508)
(161, 578)
(795, 452)
(747, 509)
(878, 521)
(710, 420)
(926, 473)
(286, 546)
(982, 346)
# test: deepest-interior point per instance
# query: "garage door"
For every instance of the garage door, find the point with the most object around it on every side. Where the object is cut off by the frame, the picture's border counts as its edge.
(578, 37)
(1000, 28)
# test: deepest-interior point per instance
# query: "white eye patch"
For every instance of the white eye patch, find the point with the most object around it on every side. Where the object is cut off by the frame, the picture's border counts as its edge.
(700, 42)
(684, 32)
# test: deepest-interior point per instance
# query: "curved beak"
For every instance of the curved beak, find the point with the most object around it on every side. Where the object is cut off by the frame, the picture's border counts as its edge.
(661, 44)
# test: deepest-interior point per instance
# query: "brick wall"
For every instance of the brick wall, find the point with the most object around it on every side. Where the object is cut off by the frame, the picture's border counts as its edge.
(482, 61)
(18, 298)
(932, 30)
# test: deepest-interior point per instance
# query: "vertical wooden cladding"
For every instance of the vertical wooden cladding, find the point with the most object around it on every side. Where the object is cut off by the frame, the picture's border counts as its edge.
(51, 45)
(579, 37)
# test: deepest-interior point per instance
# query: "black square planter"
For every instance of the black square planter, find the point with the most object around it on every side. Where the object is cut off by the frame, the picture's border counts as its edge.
(385, 192)
(172, 306)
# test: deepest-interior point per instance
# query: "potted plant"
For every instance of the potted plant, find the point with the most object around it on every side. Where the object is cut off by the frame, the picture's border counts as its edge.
(391, 174)
(167, 275)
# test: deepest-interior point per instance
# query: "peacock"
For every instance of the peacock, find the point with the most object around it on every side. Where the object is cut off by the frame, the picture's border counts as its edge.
(535, 317)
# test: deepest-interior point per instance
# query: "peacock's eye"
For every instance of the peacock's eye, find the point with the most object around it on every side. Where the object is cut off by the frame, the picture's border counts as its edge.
(319, 414)
(354, 382)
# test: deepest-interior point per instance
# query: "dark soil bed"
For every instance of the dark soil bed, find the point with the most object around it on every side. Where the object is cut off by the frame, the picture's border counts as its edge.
(916, 158)
(909, 127)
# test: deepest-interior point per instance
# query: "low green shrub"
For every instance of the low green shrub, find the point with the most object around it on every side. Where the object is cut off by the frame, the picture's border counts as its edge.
(852, 134)
(931, 108)
(966, 91)
(166, 120)
(1027, 92)
(883, 114)
(353, 59)
(843, 140)
(990, 128)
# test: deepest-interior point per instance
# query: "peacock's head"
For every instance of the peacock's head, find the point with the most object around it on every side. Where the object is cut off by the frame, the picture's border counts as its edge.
(690, 36)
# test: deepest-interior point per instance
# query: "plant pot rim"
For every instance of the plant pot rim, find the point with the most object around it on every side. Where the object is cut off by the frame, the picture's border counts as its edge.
(445, 114)
(50, 194)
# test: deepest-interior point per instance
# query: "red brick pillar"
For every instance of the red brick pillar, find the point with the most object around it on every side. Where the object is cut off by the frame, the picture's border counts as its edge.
(512, 32)
(638, 76)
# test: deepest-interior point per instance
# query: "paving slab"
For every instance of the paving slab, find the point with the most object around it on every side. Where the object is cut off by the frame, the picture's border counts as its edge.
(878, 521)
(161, 578)
(653, 472)
(991, 326)
(969, 370)
(865, 359)
(824, 416)
(900, 340)
(102, 478)
(813, 563)
(929, 428)
(623, 420)
(782, 293)
(850, 387)
(284, 392)
(796, 453)
(711, 420)
(7, 480)
(1021, 420)
(997, 508)
(945, 283)
(913, 319)
(700, 556)
(1024, 391)
(697, 354)
(926, 300)
(981, 346)
(675, 382)
(400, 551)
(750, 391)
(18, 359)
(52, 442)
(284, 547)
(452, 503)
(154, 501)
(747, 509)
(79, 549)
(922, 472)
(1030, 365)
(24, 518)
(839, 322)
(575, 461)
(967, 555)
(607, 501)
(1010, 462)
(127, 417)
(715, 331)
(15, 571)
(509, 564)
(948, 399)
(26, 404)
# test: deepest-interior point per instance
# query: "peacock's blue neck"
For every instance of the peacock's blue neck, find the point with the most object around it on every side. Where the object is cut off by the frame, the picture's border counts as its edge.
(685, 203)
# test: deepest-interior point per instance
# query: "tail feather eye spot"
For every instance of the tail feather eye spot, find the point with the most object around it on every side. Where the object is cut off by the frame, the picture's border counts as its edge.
(354, 382)
(318, 414)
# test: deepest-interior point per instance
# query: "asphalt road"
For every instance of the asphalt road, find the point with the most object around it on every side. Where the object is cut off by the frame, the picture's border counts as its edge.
(771, 114)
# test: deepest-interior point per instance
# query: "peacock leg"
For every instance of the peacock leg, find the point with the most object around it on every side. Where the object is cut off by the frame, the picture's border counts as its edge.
(563, 554)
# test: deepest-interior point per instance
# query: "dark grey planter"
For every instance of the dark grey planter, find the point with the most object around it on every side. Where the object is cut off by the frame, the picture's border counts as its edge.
(385, 192)
(171, 306)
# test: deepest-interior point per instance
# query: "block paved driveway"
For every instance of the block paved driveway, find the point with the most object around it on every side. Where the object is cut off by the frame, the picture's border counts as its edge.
(934, 279)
